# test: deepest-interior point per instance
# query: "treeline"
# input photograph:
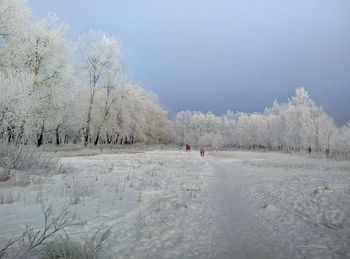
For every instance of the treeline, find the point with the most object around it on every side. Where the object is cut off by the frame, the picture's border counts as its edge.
(299, 125)
(53, 90)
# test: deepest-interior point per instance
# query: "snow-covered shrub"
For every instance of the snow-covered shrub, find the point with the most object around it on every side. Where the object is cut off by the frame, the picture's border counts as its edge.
(8, 197)
(77, 189)
(47, 243)
(26, 158)
(77, 192)
(17, 178)
(66, 248)
(4, 174)
(32, 242)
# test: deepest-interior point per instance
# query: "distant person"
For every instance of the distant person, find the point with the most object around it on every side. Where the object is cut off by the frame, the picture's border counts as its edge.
(202, 151)
(186, 147)
(189, 148)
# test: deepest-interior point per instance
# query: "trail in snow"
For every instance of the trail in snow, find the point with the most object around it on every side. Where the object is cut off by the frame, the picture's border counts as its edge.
(239, 232)
(268, 212)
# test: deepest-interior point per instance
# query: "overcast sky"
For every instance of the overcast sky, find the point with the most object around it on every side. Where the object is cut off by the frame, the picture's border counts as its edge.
(215, 55)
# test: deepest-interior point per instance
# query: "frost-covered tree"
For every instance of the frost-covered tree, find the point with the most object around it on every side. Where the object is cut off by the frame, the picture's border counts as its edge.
(100, 65)
(15, 104)
(200, 129)
(340, 143)
(299, 125)
(14, 18)
(49, 95)
(307, 125)
(43, 52)
(137, 117)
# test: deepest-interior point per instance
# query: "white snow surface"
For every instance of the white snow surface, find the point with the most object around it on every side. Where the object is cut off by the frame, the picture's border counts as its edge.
(176, 204)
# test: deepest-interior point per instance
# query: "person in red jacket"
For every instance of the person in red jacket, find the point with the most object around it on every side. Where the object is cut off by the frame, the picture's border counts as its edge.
(202, 151)
(189, 148)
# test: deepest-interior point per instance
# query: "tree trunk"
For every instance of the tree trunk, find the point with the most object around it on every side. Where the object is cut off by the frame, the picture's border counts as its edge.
(9, 134)
(97, 137)
(20, 134)
(109, 139)
(88, 120)
(41, 136)
(87, 128)
(57, 135)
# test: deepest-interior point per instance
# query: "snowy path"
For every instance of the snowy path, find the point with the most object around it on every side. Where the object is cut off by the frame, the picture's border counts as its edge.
(238, 231)
(261, 210)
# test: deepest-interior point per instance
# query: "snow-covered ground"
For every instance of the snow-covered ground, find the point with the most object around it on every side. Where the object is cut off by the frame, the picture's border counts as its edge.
(283, 205)
(152, 201)
(173, 204)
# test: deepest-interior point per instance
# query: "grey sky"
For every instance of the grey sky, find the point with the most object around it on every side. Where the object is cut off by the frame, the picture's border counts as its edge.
(225, 54)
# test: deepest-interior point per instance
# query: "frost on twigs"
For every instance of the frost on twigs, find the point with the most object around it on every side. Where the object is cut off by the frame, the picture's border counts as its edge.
(26, 158)
(65, 247)
(32, 241)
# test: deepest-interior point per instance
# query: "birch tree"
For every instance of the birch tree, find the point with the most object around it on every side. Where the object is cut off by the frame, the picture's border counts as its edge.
(100, 55)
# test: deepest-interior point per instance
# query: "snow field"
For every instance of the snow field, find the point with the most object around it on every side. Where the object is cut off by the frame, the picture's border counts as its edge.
(175, 204)
(151, 200)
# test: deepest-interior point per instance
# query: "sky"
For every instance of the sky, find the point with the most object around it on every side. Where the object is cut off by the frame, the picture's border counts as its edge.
(219, 55)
